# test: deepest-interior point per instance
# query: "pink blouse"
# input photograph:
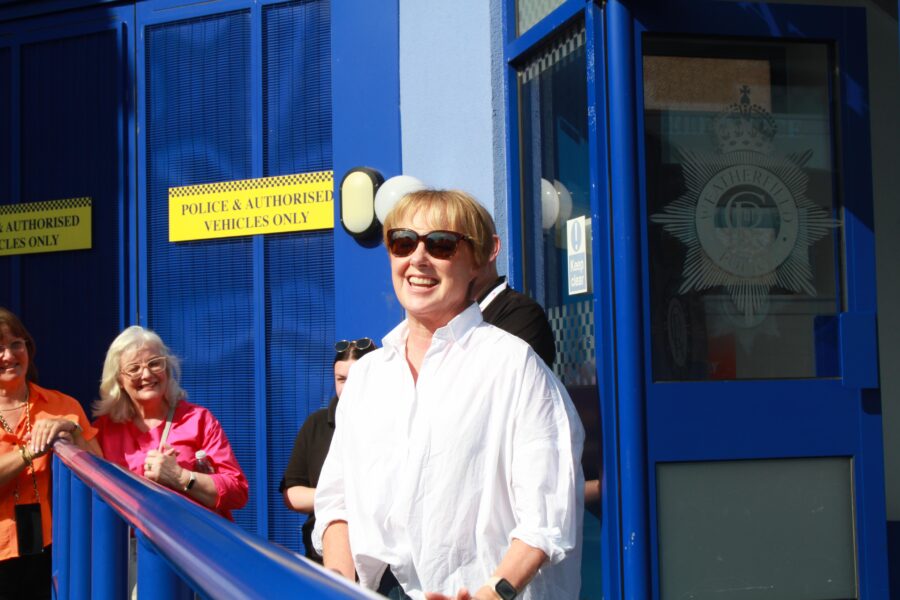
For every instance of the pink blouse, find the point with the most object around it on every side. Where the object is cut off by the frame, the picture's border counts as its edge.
(193, 428)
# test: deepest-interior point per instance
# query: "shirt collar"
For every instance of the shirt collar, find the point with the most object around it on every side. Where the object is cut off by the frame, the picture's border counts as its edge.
(500, 281)
(488, 296)
(35, 393)
(456, 330)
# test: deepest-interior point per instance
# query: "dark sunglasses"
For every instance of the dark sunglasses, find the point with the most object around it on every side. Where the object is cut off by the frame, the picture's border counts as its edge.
(439, 244)
(360, 344)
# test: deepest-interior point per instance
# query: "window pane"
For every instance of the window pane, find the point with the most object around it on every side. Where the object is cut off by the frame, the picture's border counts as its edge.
(757, 530)
(743, 231)
(555, 190)
(529, 12)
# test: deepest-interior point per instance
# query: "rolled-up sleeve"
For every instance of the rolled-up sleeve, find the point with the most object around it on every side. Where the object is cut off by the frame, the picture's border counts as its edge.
(329, 504)
(547, 481)
(231, 484)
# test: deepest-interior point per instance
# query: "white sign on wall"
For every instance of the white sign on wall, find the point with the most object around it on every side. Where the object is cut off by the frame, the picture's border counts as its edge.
(578, 251)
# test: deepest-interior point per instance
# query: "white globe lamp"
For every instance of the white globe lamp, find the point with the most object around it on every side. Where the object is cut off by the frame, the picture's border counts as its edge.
(391, 191)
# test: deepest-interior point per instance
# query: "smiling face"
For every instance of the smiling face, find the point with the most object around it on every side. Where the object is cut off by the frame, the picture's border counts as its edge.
(145, 388)
(13, 363)
(432, 290)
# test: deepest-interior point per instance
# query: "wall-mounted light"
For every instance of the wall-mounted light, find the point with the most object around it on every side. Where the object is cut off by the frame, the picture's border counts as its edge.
(392, 190)
(565, 201)
(549, 204)
(556, 203)
(358, 190)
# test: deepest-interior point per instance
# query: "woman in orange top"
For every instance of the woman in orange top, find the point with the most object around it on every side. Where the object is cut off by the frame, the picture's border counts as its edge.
(31, 419)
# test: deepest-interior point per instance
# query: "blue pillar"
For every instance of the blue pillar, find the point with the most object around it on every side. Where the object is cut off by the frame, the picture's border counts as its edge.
(61, 495)
(109, 553)
(628, 299)
(156, 580)
(365, 64)
(80, 540)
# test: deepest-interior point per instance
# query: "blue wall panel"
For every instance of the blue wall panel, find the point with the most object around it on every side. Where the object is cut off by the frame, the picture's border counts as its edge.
(299, 328)
(200, 294)
(299, 267)
(366, 99)
(70, 91)
(5, 125)
(297, 87)
(5, 163)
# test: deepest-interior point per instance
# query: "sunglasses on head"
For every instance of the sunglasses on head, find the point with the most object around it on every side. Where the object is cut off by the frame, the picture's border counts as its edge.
(439, 244)
(360, 344)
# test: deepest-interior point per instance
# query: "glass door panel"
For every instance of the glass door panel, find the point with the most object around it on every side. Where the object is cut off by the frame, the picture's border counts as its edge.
(556, 202)
(743, 223)
(757, 529)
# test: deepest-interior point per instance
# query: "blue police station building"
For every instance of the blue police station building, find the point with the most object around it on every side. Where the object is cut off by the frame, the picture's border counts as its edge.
(702, 194)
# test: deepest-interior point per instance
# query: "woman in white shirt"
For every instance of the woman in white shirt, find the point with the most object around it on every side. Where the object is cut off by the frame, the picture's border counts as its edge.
(455, 463)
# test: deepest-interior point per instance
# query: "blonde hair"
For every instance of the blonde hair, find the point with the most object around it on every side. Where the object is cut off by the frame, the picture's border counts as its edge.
(448, 209)
(114, 401)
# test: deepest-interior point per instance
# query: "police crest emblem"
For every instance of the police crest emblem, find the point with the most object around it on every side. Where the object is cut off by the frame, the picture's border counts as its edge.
(744, 216)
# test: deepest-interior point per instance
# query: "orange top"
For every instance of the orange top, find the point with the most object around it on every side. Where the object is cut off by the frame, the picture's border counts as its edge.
(44, 404)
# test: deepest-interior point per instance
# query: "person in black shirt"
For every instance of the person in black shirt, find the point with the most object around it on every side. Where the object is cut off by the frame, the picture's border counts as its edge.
(518, 314)
(511, 311)
(298, 486)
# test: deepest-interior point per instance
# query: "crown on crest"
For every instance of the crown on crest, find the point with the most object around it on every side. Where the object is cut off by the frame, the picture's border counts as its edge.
(744, 126)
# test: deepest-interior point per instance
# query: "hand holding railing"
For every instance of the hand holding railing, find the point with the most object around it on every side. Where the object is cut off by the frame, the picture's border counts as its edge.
(213, 556)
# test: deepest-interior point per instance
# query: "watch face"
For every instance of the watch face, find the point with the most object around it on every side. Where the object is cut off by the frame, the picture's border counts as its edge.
(506, 590)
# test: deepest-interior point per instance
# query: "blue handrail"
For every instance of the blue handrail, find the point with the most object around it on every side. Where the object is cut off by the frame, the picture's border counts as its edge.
(180, 544)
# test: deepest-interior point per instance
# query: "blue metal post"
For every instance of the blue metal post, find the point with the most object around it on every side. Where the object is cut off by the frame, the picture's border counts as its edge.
(109, 552)
(80, 540)
(61, 520)
(605, 318)
(365, 60)
(156, 580)
(628, 299)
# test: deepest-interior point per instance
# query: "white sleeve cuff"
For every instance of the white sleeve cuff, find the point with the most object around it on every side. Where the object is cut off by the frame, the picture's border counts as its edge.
(548, 541)
(322, 523)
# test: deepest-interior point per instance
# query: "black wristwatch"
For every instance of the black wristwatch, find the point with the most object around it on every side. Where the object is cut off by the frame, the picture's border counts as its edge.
(503, 588)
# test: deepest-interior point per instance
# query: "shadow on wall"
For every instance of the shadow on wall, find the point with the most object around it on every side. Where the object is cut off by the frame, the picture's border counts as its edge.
(893, 542)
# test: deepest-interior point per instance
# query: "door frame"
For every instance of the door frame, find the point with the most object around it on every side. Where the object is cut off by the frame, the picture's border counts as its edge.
(626, 24)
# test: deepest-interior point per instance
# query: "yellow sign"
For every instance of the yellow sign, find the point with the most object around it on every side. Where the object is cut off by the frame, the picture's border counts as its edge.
(300, 202)
(45, 226)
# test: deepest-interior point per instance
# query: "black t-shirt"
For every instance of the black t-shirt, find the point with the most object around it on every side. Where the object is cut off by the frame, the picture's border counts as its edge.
(521, 316)
(310, 449)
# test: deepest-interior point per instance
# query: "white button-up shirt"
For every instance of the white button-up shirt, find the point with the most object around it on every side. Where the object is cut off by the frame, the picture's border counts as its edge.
(436, 476)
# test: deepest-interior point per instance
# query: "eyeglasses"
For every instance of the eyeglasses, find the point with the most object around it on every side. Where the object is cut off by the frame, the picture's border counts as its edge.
(157, 364)
(439, 244)
(15, 347)
(360, 344)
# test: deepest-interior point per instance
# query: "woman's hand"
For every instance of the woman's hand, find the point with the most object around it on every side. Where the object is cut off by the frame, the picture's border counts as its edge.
(163, 468)
(45, 432)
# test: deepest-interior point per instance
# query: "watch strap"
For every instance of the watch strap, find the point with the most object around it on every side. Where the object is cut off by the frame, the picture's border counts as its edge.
(503, 588)
(190, 482)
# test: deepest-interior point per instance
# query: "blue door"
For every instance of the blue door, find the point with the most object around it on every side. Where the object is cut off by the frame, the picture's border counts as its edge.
(230, 90)
(758, 363)
(64, 133)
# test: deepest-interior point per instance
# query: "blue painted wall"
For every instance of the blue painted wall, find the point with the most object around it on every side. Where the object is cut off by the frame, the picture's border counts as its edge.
(366, 129)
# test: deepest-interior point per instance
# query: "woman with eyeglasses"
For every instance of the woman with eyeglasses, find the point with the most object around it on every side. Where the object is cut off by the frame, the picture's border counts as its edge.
(298, 486)
(32, 419)
(455, 463)
(148, 426)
